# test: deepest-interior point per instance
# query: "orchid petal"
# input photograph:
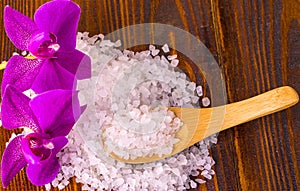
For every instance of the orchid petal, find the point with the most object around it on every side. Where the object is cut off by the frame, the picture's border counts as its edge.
(43, 173)
(60, 18)
(53, 76)
(75, 62)
(56, 111)
(59, 143)
(19, 28)
(13, 160)
(15, 110)
(20, 72)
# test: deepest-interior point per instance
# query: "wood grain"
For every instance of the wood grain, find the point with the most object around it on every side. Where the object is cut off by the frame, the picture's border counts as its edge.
(257, 45)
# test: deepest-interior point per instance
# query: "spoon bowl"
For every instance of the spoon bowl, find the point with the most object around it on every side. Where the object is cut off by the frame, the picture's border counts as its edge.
(199, 123)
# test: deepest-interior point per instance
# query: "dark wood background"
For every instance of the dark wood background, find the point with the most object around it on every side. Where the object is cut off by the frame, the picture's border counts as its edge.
(257, 45)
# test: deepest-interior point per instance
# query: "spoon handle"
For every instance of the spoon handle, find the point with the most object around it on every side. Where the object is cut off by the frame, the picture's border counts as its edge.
(213, 120)
(261, 105)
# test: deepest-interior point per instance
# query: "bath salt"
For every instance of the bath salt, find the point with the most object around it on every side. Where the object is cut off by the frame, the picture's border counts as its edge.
(134, 130)
(165, 48)
(199, 91)
(174, 62)
(205, 101)
(172, 57)
(135, 89)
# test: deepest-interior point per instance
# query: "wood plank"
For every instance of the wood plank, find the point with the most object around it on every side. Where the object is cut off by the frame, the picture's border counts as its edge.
(257, 46)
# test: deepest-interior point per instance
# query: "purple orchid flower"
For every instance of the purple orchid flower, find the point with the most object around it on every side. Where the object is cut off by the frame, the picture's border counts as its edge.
(51, 39)
(50, 116)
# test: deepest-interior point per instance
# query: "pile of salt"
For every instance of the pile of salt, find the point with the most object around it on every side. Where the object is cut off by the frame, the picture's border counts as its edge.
(84, 157)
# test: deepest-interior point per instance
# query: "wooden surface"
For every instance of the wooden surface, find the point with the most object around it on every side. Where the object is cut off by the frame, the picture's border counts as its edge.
(257, 45)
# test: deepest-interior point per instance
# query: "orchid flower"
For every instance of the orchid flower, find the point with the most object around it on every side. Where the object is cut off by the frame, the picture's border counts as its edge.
(51, 40)
(50, 116)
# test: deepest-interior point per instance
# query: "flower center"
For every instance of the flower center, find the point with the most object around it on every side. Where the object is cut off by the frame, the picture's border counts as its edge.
(40, 147)
(43, 45)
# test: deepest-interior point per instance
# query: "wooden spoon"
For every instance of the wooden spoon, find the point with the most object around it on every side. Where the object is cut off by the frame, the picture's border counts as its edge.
(200, 123)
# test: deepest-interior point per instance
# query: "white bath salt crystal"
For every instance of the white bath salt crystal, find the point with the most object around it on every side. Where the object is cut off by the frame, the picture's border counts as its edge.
(155, 52)
(207, 166)
(127, 52)
(118, 43)
(172, 57)
(165, 48)
(59, 176)
(174, 62)
(158, 170)
(146, 53)
(164, 60)
(214, 140)
(55, 183)
(118, 182)
(187, 185)
(85, 176)
(176, 171)
(211, 171)
(85, 187)
(151, 47)
(168, 119)
(204, 172)
(208, 176)
(172, 160)
(24, 53)
(195, 173)
(13, 135)
(30, 93)
(192, 86)
(136, 103)
(205, 101)
(123, 58)
(60, 186)
(65, 182)
(114, 107)
(48, 187)
(199, 91)
(135, 113)
(101, 36)
(200, 181)
(176, 120)
(144, 108)
(209, 160)
(193, 184)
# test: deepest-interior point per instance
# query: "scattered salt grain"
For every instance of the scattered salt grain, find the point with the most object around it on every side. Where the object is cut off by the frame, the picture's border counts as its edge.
(208, 176)
(193, 184)
(205, 101)
(48, 187)
(91, 166)
(30, 93)
(199, 91)
(172, 57)
(200, 181)
(165, 48)
(24, 53)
